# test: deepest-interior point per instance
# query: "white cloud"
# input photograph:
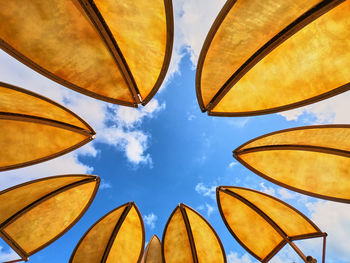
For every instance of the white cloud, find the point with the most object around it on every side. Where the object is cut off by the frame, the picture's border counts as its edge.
(105, 185)
(207, 208)
(333, 218)
(7, 255)
(238, 122)
(206, 191)
(234, 257)
(150, 220)
(66, 164)
(267, 190)
(232, 164)
(332, 110)
(286, 194)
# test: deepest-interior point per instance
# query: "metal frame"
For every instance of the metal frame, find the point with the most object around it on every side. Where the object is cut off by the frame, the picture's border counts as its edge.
(88, 132)
(286, 239)
(182, 207)
(237, 152)
(127, 208)
(12, 243)
(269, 46)
(94, 15)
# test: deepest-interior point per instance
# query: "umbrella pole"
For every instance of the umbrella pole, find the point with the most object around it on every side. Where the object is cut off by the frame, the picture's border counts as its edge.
(324, 249)
(296, 249)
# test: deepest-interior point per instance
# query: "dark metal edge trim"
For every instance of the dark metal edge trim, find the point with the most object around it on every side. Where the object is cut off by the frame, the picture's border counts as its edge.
(168, 51)
(31, 64)
(209, 38)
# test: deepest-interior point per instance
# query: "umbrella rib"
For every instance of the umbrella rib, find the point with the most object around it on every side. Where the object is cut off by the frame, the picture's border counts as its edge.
(189, 233)
(115, 232)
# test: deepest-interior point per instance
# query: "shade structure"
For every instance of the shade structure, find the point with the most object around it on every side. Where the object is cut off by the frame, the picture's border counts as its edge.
(114, 50)
(188, 237)
(261, 223)
(119, 236)
(313, 160)
(267, 56)
(153, 251)
(36, 213)
(35, 129)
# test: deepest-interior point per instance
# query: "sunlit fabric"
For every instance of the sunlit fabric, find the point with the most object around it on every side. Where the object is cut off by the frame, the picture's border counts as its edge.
(188, 237)
(153, 251)
(111, 50)
(243, 71)
(262, 223)
(116, 237)
(35, 129)
(35, 214)
(312, 160)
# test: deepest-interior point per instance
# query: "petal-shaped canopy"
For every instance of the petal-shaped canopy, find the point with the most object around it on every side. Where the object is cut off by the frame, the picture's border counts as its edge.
(188, 237)
(119, 236)
(36, 213)
(267, 56)
(313, 160)
(112, 50)
(261, 223)
(35, 129)
(153, 251)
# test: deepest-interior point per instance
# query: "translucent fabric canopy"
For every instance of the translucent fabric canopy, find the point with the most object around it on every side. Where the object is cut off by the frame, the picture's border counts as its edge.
(188, 237)
(153, 251)
(267, 56)
(313, 160)
(35, 129)
(112, 50)
(261, 223)
(36, 213)
(119, 236)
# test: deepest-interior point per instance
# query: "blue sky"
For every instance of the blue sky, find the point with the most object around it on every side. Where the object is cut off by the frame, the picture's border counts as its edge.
(169, 152)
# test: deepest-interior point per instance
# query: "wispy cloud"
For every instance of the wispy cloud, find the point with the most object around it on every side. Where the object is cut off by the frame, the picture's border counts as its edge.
(206, 191)
(150, 220)
(207, 208)
(333, 110)
(232, 164)
(105, 185)
(234, 257)
(7, 255)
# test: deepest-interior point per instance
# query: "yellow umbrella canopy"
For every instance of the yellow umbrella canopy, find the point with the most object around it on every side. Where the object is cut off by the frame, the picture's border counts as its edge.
(261, 223)
(119, 236)
(312, 160)
(153, 251)
(114, 50)
(267, 56)
(36, 213)
(35, 129)
(188, 237)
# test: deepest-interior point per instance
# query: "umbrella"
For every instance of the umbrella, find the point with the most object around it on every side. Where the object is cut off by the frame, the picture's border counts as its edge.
(312, 160)
(119, 236)
(263, 224)
(35, 129)
(268, 56)
(36, 213)
(112, 50)
(188, 237)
